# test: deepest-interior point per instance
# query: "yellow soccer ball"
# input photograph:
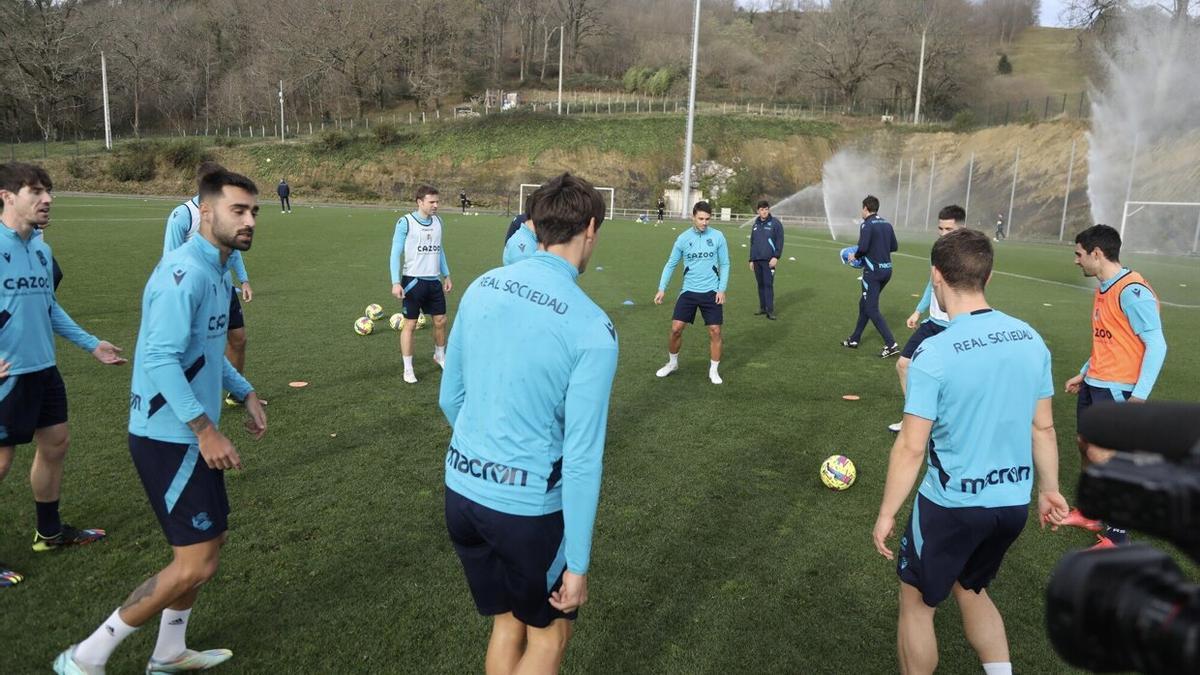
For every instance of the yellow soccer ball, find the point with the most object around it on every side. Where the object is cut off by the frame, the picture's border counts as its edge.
(374, 312)
(837, 472)
(364, 326)
(422, 320)
(396, 321)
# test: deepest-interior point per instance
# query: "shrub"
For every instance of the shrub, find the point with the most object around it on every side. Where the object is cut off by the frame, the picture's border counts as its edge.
(635, 78)
(387, 134)
(135, 161)
(332, 141)
(77, 168)
(185, 154)
(964, 120)
(1004, 67)
(660, 83)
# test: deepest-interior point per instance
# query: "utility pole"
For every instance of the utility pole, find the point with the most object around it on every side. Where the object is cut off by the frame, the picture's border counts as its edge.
(562, 40)
(691, 119)
(107, 118)
(281, 110)
(920, 77)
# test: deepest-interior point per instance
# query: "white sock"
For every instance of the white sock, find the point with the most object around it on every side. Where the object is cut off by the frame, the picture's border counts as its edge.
(998, 668)
(712, 366)
(408, 364)
(171, 630)
(672, 359)
(439, 351)
(100, 645)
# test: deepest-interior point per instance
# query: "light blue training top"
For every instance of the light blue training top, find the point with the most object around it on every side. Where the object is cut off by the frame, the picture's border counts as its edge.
(979, 382)
(179, 368)
(705, 258)
(529, 406)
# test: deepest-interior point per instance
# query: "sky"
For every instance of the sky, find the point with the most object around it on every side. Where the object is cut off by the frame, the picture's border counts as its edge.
(1051, 9)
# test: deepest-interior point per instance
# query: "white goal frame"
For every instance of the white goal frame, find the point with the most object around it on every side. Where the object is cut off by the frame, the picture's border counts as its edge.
(1125, 213)
(612, 198)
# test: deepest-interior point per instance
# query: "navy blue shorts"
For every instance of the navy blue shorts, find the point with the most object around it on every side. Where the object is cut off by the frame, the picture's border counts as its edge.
(188, 497)
(1089, 395)
(423, 295)
(944, 545)
(690, 301)
(927, 329)
(512, 563)
(236, 320)
(29, 402)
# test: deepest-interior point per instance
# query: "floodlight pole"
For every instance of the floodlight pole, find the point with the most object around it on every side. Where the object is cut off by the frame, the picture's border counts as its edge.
(562, 39)
(1062, 227)
(1012, 197)
(107, 118)
(281, 110)
(920, 77)
(686, 207)
(1129, 185)
(970, 175)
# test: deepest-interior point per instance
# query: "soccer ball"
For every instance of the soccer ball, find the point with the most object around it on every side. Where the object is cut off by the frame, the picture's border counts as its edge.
(837, 472)
(364, 326)
(374, 312)
(422, 320)
(396, 321)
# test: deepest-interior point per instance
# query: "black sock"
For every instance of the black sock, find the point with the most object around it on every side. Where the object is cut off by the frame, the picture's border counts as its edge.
(48, 523)
(1116, 535)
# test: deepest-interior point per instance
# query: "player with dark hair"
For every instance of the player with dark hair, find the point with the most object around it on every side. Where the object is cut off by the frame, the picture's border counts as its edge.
(950, 218)
(978, 413)
(285, 196)
(766, 247)
(182, 225)
(705, 257)
(1128, 345)
(33, 397)
(662, 210)
(522, 242)
(876, 243)
(529, 413)
(426, 280)
(174, 429)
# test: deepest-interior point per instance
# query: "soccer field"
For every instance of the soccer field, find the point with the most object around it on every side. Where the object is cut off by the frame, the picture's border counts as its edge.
(717, 549)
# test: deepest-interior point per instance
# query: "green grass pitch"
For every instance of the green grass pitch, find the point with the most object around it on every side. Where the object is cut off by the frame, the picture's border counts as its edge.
(717, 549)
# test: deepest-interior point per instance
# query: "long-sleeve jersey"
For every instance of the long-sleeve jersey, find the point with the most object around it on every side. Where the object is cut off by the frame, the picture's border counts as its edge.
(705, 258)
(766, 239)
(29, 312)
(929, 301)
(421, 246)
(876, 243)
(520, 246)
(184, 223)
(179, 367)
(529, 411)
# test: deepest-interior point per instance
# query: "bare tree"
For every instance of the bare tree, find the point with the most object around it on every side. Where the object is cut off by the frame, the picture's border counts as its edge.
(48, 47)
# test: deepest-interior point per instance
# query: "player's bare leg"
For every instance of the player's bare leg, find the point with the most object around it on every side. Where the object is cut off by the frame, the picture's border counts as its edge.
(674, 344)
(439, 340)
(235, 348)
(715, 344)
(544, 648)
(916, 641)
(45, 475)
(506, 645)
(406, 349)
(983, 625)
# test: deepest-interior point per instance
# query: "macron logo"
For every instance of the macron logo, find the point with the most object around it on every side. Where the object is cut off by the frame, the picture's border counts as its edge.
(7, 257)
(179, 274)
(611, 330)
